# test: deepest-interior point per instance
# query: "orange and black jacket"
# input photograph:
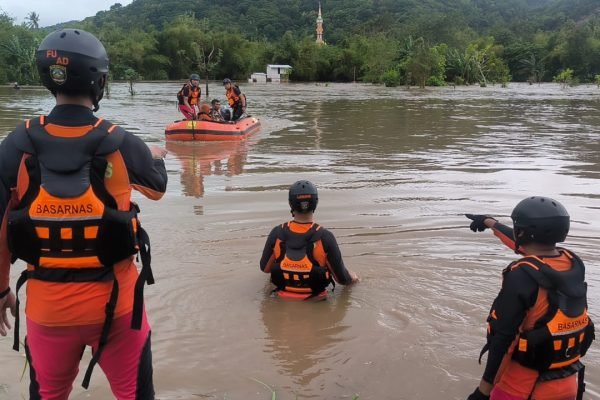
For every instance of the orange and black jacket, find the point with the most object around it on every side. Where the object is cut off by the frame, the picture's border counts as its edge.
(191, 92)
(518, 295)
(144, 173)
(234, 97)
(327, 251)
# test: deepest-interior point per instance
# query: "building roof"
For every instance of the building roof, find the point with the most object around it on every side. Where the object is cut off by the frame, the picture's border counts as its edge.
(278, 66)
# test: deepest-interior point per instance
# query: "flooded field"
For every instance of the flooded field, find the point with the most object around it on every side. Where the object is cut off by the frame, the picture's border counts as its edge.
(396, 171)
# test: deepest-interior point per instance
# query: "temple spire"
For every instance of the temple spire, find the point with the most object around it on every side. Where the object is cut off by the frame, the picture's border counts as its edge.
(320, 27)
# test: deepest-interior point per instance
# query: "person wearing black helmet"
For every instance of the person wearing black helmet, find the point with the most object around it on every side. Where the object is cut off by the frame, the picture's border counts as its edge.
(65, 198)
(188, 97)
(237, 100)
(302, 257)
(538, 325)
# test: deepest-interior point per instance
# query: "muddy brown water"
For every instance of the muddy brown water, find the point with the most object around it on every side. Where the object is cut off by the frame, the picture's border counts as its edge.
(396, 171)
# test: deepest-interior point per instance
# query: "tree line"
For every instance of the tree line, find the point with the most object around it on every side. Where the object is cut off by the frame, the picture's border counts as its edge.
(435, 46)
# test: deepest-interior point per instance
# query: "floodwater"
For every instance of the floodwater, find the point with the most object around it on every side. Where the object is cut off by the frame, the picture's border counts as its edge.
(396, 171)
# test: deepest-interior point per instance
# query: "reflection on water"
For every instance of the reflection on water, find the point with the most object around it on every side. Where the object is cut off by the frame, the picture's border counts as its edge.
(396, 170)
(301, 335)
(199, 160)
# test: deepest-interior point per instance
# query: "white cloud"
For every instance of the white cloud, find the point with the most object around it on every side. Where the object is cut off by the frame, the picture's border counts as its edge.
(52, 12)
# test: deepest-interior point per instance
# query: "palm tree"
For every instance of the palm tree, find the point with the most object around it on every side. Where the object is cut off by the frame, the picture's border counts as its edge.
(34, 20)
(534, 67)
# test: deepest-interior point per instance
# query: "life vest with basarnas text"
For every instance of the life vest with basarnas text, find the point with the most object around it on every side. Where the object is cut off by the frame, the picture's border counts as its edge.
(296, 268)
(71, 223)
(558, 340)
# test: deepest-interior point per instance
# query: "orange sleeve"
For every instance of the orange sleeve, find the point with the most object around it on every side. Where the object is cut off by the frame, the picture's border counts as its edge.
(506, 235)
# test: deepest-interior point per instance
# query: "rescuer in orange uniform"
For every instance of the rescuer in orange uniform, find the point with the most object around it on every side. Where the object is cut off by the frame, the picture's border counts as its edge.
(302, 257)
(538, 326)
(65, 197)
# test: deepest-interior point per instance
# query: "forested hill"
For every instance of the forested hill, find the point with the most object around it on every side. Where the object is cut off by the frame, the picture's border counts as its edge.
(412, 42)
(270, 19)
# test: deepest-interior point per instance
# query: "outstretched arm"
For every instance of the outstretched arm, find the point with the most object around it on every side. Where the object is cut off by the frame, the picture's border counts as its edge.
(145, 167)
(335, 263)
(505, 233)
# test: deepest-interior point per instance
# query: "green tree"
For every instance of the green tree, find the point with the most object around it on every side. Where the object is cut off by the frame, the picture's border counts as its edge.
(33, 20)
(20, 54)
(565, 77)
(206, 60)
(534, 68)
(424, 64)
(132, 76)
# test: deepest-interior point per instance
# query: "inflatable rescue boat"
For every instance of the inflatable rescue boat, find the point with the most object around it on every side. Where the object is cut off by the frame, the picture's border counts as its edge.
(192, 130)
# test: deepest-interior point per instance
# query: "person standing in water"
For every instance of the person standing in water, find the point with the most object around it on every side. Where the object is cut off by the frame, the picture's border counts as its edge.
(237, 100)
(188, 97)
(538, 325)
(302, 257)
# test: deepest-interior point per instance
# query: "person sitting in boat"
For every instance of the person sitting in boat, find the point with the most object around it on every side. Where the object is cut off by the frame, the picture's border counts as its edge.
(237, 100)
(302, 257)
(215, 111)
(204, 114)
(189, 97)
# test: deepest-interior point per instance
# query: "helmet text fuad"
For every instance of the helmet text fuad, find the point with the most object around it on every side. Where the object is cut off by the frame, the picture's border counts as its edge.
(73, 62)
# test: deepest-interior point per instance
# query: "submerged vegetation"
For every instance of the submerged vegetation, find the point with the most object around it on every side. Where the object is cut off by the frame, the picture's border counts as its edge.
(402, 42)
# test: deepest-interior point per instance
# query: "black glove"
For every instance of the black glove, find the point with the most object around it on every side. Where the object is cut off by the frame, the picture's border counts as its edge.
(477, 225)
(477, 395)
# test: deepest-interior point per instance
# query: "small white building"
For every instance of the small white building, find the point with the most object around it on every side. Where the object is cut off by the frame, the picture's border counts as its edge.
(278, 73)
(258, 77)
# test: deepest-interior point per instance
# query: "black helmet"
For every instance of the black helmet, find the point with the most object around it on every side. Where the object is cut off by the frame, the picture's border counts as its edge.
(303, 196)
(75, 62)
(226, 81)
(540, 220)
(194, 77)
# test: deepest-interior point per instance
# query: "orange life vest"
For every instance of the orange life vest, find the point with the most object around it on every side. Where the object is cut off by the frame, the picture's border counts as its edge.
(296, 268)
(232, 97)
(557, 331)
(66, 225)
(194, 96)
(561, 337)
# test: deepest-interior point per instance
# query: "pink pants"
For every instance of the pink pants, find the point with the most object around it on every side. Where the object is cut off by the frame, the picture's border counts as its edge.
(189, 112)
(499, 394)
(54, 354)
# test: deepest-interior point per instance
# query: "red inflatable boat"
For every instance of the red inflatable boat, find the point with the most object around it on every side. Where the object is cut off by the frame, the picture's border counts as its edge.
(187, 130)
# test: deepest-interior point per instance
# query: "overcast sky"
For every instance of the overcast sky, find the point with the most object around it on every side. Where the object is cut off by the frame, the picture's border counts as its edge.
(52, 12)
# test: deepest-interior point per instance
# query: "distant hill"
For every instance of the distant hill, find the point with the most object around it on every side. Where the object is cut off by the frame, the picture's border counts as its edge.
(269, 19)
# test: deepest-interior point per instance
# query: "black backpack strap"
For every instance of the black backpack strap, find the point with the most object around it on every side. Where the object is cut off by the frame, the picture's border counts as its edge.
(484, 350)
(112, 141)
(110, 314)
(580, 383)
(314, 237)
(535, 268)
(20, 282)
(146, 276)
